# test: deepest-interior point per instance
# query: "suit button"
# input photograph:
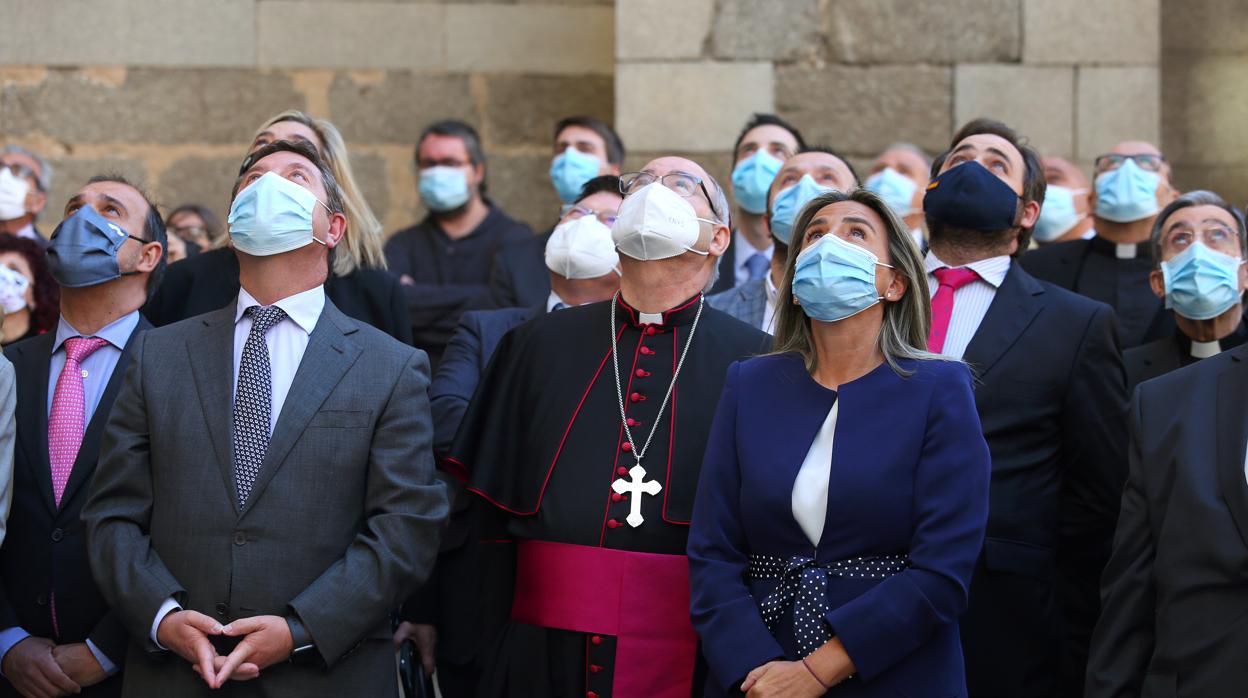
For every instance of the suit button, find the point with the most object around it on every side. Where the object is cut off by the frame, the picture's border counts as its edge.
(57, 535)
(42, 599)
(596, 639)
(240, 538)
(222, 609)
(650, 330)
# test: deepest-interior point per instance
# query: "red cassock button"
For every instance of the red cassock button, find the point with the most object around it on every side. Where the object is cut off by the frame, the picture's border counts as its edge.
(650, 330)
(617, 497)
(611, 523)
(621, 471)
(632, 422)
(591, 694)
(647, 351)
(642, 373)
(594, 668)
(626, 446)
(636, 397)
(596, 639)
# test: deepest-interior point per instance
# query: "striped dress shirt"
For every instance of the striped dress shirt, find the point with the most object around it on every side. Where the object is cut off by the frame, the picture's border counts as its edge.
(970, 303)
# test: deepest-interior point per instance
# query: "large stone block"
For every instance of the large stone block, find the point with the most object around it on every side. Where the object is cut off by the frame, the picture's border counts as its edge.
(1116, 104)
(1205, 109)
(862, 110)
(523, 109)
(520, 185)
(1105, 31)
(128, 32)
(198, 179)
(365, 34)
(530, 39)
(394, 106)
(660, 29)
(697, 107)
(1229, 181)
(1038, 102)
(148, 105)
(1205, 26)
(904, 31)
(752, 29)
(371, 177)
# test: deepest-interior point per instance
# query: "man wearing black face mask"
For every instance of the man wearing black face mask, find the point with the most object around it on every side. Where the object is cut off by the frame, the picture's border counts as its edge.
(57, 634)
(1051, 394)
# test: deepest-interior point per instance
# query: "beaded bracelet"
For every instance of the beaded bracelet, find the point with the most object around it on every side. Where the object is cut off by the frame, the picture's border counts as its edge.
(826, 687)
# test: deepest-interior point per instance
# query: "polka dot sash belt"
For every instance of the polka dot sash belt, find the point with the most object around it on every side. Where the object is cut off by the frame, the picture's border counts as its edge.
(804, 586)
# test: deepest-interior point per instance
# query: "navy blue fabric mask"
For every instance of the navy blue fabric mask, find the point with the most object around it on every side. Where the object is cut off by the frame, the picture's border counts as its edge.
(83, 250)
(970, 197)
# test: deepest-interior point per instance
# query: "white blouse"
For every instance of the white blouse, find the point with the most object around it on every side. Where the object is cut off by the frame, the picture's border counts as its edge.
(810, 489)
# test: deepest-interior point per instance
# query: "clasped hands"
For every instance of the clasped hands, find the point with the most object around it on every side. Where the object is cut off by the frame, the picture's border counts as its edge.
(265, 641)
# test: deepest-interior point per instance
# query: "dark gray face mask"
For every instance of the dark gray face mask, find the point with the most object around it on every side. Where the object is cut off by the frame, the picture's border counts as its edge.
(84, 248)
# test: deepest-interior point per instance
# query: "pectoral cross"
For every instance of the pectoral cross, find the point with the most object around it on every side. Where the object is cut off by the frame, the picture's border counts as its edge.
(634, 487)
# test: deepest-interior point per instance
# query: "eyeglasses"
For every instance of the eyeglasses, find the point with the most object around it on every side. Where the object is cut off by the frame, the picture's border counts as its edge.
(1145, 161)
(1217, 237)
(22, 171)
(188, 231)
(682, 183)
(575, 211)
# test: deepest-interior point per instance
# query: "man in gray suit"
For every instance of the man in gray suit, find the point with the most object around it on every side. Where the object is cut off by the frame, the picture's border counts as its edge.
(266, 494)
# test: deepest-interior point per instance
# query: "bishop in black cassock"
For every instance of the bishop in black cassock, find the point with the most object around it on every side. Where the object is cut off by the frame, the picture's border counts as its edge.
(600, 592)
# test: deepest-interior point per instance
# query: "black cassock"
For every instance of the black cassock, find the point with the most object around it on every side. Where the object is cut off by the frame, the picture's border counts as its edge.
(1116, 275)
(543, 441)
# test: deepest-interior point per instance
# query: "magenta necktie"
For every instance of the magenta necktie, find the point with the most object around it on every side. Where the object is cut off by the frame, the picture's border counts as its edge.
(68, 418)
(942, 303)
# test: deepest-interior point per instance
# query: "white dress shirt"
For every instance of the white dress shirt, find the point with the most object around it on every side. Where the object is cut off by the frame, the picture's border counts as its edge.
(553, 300)
(287, 342)
(28, 232)
(769, 310)
(741, 273)
(810, 489)
(970, 303)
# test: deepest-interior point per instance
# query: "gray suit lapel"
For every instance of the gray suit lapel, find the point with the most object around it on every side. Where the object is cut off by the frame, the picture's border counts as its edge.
(326, 360)
(210, 353)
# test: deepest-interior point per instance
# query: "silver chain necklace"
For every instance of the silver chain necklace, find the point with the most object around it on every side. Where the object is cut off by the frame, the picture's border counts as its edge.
(619, 386)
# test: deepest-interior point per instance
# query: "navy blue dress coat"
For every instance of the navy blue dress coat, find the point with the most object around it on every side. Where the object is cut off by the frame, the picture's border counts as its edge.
(909, 475)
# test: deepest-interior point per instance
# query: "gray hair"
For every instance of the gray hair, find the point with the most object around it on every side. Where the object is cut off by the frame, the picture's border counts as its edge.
(1199, 197)
(44, 176)
(719, 203)
(911, 148)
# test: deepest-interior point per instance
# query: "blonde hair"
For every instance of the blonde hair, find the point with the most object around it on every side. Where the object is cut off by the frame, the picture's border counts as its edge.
(362, 242)
(903, 334)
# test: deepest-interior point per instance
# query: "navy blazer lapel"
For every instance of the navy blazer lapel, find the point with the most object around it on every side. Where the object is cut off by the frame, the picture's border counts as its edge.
(1231, 433)
(326, 360)
(89, 451)
(210, 353)
(33, 368)
(1012, 310)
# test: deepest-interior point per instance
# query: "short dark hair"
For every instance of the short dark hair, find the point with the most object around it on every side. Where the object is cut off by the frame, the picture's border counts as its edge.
(333, 192)
(1034, 184)
(615, 146)
(153, 227)
(820, 148)
(207, 215)
(767, 120)
(457, 129)
(602, 183)
(1199, 197)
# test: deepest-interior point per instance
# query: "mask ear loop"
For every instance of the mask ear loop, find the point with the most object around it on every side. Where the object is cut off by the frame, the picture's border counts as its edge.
(331, 215)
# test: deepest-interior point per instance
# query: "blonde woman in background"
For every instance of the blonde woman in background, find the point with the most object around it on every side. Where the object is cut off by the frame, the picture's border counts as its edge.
(359, 284)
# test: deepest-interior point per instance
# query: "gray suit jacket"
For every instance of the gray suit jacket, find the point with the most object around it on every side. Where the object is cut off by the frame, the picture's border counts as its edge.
(8, 433)
(341, 525)
(747, 303)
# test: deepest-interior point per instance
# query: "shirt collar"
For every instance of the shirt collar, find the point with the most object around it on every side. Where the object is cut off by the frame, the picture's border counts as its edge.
(553, 300)
(1134, 250)
(28, 232)
(992, 269)
(682, 314)
(304, 308)
(747, 250)
(116, 333)
(772, 291)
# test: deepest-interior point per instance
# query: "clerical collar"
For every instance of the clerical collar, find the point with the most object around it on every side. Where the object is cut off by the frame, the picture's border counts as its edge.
(1127, 251)
(682, 314)
(1204, 350)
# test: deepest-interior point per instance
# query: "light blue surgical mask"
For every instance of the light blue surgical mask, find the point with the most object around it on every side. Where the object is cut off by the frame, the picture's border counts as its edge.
(789, 202)
(1058, 214)
(834, 279)
(751, 180)
(271, 216)
(1127, 193)
(444, 188)
(1201, 283)
(569, 172)
(896, 189)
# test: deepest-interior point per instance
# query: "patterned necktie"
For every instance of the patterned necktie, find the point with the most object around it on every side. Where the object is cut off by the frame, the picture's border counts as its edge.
(757, 265)
(253, 400)
(67, 420)
(950, 280)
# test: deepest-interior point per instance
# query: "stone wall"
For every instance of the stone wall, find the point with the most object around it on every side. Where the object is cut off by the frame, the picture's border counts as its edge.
(857, 75)
(170, 92)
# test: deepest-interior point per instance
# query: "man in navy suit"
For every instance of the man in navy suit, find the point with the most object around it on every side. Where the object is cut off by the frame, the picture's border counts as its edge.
(1051, 393)
(447, 613)
(57, 633)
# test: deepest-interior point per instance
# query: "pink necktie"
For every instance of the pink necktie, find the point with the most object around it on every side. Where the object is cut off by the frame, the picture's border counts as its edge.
(942, 303)
(68, 418)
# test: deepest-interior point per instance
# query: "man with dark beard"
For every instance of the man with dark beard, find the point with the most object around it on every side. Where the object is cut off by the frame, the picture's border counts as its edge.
(1051, 393)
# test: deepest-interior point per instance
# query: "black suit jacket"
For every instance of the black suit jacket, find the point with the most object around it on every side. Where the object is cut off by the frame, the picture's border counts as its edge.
(519, 277)
(209, 281)
(1175, 618)
(45, 549)
(1051, 394)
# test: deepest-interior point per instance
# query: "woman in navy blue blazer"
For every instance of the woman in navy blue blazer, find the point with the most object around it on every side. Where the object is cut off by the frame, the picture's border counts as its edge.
(844, 494)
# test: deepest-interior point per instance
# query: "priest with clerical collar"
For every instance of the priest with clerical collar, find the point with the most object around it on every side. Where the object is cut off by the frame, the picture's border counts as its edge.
(1200, 242)
(1132, 184)
(587, 433)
